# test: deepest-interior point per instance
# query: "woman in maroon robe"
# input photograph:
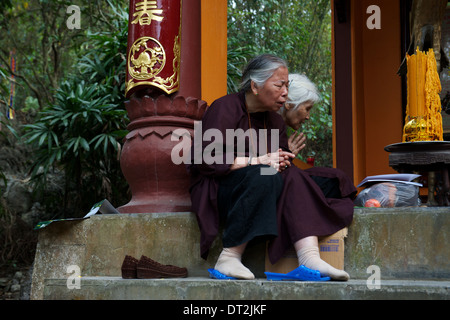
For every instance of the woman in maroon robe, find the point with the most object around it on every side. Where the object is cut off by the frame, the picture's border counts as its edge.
(258, 194)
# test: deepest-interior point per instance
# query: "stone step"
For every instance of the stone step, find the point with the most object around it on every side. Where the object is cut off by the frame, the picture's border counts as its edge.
(406, 243)
(196, 288)
(402, 243)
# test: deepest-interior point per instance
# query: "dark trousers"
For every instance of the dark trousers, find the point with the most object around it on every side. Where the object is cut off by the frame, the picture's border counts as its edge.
(247, 203)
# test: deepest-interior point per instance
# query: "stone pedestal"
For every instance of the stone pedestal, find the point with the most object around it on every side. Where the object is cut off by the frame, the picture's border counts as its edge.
(405, 243)
(157, 183)
(99, 244)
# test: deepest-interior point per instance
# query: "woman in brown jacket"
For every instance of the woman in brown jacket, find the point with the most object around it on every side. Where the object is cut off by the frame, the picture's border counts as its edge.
(245, 179)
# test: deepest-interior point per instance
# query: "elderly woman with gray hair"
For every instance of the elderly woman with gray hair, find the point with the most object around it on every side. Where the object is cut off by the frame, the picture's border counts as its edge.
(302, 97)
(285, 207)
(335, 185)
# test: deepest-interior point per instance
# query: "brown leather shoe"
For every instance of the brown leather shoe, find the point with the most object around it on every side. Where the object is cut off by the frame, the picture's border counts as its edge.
(150, 269)
(129, 267)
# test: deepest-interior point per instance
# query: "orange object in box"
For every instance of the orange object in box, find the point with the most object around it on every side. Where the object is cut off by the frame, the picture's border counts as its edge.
(372, 203)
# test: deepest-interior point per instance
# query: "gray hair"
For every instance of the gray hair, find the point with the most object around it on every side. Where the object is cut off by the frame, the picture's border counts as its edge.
(260, 69)
(301, 90)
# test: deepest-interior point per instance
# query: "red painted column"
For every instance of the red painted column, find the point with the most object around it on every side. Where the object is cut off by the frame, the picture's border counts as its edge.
(163, 88)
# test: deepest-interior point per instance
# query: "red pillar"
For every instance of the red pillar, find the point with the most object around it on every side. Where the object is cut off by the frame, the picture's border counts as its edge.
(164, 95)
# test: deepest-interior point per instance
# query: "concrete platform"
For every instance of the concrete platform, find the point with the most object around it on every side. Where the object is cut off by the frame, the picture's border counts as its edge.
(406, 243)
(410, 244)
(197, 288)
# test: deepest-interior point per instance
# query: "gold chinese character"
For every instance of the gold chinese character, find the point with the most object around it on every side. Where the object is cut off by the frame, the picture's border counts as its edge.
(146, 11)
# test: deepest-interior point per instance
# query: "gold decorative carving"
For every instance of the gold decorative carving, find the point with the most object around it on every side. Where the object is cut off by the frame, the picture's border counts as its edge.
(149, 63)
(150, 60)
(146, 11)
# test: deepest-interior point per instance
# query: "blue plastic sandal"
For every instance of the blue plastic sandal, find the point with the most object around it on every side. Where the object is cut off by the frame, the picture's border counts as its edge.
(214, 274)
(302, 273)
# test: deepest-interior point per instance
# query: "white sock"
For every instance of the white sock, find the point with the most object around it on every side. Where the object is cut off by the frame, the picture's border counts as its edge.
(310, 258)
(229, 263)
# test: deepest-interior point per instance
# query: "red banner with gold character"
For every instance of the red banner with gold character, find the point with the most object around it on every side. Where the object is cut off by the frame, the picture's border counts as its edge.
(154, 44)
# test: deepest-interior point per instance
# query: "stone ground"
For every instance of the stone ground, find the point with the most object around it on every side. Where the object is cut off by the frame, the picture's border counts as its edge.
(15, 283)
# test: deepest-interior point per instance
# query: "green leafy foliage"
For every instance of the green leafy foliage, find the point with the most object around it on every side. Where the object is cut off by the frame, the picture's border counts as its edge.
(80, 131)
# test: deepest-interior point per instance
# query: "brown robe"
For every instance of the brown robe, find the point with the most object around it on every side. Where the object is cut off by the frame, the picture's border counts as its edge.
(302, 210)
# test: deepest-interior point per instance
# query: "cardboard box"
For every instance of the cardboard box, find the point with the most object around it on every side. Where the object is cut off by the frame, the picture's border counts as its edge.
(331, 251)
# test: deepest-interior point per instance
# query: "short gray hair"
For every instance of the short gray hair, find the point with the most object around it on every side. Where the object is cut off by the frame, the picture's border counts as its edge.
(260, 69)
(301, 90)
